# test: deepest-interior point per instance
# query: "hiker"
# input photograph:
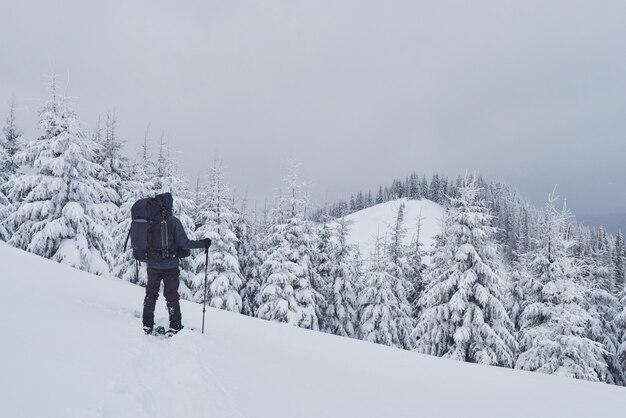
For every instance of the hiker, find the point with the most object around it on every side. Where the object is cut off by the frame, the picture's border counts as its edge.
(166, 268)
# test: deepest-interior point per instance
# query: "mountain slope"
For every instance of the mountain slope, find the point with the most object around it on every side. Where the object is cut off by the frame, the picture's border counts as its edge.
(72, 347)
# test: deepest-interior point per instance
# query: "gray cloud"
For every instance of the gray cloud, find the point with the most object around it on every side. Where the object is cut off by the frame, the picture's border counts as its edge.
(531, 93)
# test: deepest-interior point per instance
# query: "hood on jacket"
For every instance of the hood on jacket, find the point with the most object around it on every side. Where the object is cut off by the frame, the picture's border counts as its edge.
(166, 200)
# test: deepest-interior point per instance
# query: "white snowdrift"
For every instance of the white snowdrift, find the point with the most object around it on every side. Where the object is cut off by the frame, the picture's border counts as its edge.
(368, 223)
(72, 347)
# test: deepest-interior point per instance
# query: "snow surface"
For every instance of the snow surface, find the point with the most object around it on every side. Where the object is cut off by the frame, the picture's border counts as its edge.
(72, 346)
(378, 219)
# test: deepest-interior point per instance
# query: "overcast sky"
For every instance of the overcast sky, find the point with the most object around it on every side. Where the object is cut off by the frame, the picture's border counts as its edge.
(532, 93)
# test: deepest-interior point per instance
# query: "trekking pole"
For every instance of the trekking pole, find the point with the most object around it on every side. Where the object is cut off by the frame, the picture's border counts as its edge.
(206, 273)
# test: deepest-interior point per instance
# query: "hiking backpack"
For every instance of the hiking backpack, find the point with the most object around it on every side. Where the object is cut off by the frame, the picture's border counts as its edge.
(150, 231)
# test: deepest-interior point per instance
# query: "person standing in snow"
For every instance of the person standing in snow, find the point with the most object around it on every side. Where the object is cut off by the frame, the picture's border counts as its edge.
(168, 271)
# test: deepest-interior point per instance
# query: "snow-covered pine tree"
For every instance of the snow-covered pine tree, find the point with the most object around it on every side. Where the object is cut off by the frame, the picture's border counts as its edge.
(603, 264)
(4, 201)
(463, 316)
(414, 187)
(111, 159)
(396, 250)
(341, 316)
(137, 184)
(250, 256)
(323, 262)
(424, 189)
(4, 172)
(397, 265)
(519, 287)
(620, 325)
(620, 264)
(11, 144)
(379, 196)
(381, 303)
(111, 171)
(63, 209)
(217, 219)
(415, 274)
(553, 336)
(199, 197)
(5, 234)
(434, 192)
(604, 307)
(287, 294)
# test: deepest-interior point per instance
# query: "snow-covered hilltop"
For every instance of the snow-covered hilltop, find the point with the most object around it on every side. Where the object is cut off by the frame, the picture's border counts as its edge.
(72, 347)
(376, 220)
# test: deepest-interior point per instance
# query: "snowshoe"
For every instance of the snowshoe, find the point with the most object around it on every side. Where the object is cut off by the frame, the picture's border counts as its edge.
(173, 331)
(155, 331)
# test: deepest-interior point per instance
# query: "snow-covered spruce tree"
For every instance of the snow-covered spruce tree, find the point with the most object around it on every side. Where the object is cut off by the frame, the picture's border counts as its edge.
(415, 274)
(320, 285)
(553, 336)
(382, 304)
(463, 315)
(4, 201)
(250, 257)
(63, 209)
(5, 234)
(620, 325)
(434, 192)
(397, 265)
(603, 327)
(324, 265)
(11, 144)
(287, 294)
(137, 184)
(604, 307)
(602, 263)
(620, 264)
(114, 164)
(112, 167)
(518, 289)
(341, 317)
(217, 219)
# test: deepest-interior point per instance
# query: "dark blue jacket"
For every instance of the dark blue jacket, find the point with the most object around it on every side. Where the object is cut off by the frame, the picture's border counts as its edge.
(177, 237)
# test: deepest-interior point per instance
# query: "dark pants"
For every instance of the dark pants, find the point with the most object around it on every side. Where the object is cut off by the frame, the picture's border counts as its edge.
(171, 281)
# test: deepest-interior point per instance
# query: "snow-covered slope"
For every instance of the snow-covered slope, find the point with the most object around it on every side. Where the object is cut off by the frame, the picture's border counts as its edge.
(72, 346)
(368, 223)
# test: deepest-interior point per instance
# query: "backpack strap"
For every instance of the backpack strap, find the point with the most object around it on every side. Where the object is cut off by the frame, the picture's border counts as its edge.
(126, 242)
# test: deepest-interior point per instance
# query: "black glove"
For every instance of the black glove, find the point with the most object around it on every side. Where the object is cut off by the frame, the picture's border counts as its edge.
(207, 243)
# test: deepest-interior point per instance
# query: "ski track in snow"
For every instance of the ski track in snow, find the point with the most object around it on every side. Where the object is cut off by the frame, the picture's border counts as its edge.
(157, 371)
(161, 377)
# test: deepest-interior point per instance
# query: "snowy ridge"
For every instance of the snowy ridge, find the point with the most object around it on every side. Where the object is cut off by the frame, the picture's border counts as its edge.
(72, 347)
(367, 223)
